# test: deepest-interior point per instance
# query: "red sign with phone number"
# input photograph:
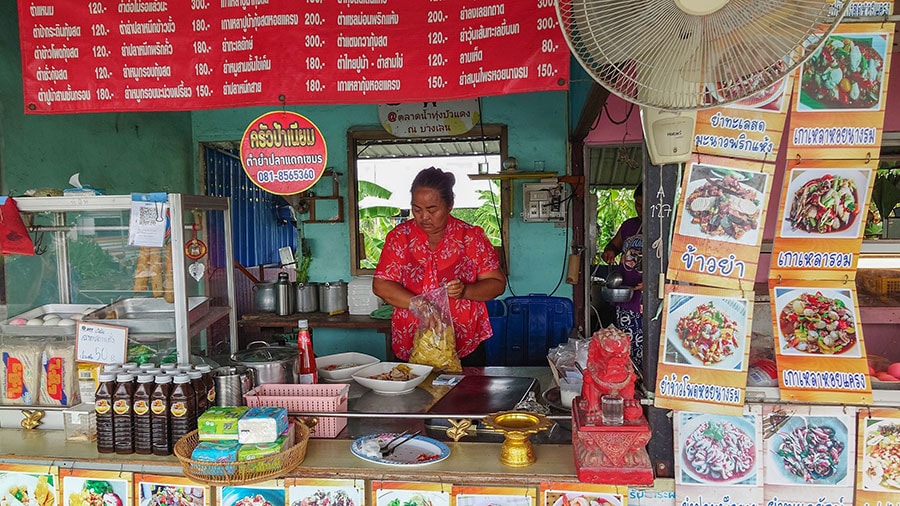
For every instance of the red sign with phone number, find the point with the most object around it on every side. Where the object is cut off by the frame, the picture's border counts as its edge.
(153, 55)
(283, 152)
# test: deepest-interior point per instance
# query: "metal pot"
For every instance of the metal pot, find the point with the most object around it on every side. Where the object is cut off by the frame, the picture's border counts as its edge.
(333, 296)
(306, 297)
(273, 364)
(232, 382)
(264, 297)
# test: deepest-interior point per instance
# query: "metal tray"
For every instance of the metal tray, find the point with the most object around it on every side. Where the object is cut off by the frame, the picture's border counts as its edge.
(63, 310)
(148, 315)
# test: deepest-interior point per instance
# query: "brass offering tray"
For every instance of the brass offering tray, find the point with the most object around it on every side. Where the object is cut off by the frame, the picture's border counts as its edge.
(517, 427)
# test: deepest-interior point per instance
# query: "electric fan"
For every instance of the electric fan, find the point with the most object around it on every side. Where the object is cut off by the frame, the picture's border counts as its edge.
(673, 57)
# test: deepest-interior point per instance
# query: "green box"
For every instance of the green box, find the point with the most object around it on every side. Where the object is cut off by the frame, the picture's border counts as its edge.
(254, 451)
(220, 423)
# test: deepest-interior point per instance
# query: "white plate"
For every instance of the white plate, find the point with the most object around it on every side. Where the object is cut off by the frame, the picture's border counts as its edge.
(582, 499)
(800, 177)
(784, 295)
(776, 462)
(873, 482)
(345, 373)
(406, 454)
(741, 424)
(10, 479)
(390, 387)
(750, 237)
(733, 308)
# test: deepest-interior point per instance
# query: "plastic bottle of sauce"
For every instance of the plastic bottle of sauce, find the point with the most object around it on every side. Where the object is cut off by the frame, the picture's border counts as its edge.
(123, 414)
(200, 391)
(141, 407)
(160, 440)
(103, 409)
(182, 407)
(307, 371)
(210, 382)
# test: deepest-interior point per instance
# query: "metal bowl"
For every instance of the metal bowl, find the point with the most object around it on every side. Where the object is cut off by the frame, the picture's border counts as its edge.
(614, 279)
(621, 294)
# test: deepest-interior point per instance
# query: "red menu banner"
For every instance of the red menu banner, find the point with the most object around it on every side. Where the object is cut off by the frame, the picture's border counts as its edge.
(143, 55)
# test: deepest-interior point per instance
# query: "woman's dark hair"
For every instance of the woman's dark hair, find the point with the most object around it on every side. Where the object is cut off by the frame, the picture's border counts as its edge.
(436, 179)
(639, 190)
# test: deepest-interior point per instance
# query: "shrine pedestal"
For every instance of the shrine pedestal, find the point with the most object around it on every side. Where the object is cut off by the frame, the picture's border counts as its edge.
(610, 454)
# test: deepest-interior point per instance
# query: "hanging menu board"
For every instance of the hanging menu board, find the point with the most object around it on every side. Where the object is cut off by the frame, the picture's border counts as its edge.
(142, 55)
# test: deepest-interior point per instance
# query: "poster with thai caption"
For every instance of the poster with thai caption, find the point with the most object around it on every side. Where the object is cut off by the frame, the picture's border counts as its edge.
(718, 459)
(750, 128)
(31, 485)
(821, 219)
(392, 493)
(478, 495)
(720, 221)
(322, 491)
(819, 345)
(582, 494)
(841, 95)
(161, 490)
(704, 350)
(878, 458)
(82, 487)
(809, 451)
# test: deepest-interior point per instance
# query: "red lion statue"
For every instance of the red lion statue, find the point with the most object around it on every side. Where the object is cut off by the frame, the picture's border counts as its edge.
(610, 372)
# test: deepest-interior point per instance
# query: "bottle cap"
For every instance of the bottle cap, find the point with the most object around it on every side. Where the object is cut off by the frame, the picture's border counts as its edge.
(204, 368)
(163, 378)
(303, 324)
(167, 366)
(195, 374)
(129, 365)
(148, 365)
(124, 377)
(145, 378)
(181, 378)
(104, 377)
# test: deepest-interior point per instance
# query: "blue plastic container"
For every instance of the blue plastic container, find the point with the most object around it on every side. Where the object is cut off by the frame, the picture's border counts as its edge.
(495, 347)
(534, 324)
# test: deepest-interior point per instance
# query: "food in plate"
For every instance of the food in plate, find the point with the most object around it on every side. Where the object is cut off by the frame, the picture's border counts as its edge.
(253, 500)
(580, 500)
(95, 493)
(400, 372)
(724, 206)
(810, 452)
(883, 455)
(814, 323)
(43, 494)
(845, 74)
(338, 367)
(415, 500)
(326, 498)
(163, 495)
(709, 334)
(719, 451)
(824, 204)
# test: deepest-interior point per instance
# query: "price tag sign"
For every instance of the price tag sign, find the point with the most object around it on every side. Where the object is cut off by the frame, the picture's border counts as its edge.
(100, 344)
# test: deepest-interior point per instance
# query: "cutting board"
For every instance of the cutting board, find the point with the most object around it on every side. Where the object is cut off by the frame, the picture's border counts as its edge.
(484, 394)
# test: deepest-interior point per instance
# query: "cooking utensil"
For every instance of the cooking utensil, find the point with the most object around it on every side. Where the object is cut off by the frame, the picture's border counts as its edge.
(390, 449)
(306, 297)
(273, 364)
(614, 279)
(264, 296)
(232, 382)
(386, 446)
(333, 296)
(620, 294)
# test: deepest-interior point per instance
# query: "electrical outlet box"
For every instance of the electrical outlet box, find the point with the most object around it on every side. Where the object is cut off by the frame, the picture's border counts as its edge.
(543, 202)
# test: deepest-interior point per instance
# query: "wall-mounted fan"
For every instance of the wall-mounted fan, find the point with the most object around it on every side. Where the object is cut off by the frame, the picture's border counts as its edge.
(673, 57)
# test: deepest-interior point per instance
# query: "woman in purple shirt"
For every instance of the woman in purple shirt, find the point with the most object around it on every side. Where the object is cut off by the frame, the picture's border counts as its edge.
(629, 243)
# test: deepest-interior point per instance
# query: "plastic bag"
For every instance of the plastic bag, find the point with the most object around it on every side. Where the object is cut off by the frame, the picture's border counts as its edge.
(14, 238)
(435, 341)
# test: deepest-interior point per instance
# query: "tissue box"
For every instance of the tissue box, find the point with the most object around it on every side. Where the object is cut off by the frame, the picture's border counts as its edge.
(262, 424)
(215, 452)
(220, 422)
(260, 450)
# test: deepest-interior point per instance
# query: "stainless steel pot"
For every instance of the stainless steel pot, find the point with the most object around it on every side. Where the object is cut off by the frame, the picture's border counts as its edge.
(306, 297)
(264, 297)
(333, 296)
(232, 382)
(273, 364)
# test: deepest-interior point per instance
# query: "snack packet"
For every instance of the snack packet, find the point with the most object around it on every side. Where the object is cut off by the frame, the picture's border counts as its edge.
(435, 342)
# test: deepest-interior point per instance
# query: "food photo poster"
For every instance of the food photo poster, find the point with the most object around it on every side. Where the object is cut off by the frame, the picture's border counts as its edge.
(466, 495)
(810, 451)
(719, 224)
(819, 346)
(157, 490)
(704, 350)
(583, 494)
(396, 493)
(89, 488)
(267, 493)
(878, 462)
(28, 485)
(718, 458)
(325, 492)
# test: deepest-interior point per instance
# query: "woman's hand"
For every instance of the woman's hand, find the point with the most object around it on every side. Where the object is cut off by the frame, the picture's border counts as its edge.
(456, 289)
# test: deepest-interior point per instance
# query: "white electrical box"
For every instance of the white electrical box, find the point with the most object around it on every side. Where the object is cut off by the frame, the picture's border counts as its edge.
(543, 202)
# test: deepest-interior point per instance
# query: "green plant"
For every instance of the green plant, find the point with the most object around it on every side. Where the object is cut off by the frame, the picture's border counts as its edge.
(614, 205)
(374, 222)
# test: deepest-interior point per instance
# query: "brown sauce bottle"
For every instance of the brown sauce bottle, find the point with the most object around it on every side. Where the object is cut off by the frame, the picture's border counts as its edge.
(141, 408)
(160, 431)
(123, 414)
(103, 410)
(182, 407)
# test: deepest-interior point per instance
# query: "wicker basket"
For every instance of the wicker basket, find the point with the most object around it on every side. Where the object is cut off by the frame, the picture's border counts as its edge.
(315, 398)
(244, 472)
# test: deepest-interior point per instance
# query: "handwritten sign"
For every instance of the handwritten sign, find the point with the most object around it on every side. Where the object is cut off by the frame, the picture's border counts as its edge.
(101, 344)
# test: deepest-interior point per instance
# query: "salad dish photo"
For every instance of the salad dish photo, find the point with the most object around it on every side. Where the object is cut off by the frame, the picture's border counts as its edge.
(718, 450)
(252, 496)
(158, 494)
(26, 489)
(881, 456)
(809, 450)
(582, 499)
(825, 203)
(706, 331)
(817, 322)
(93, 492)
(723, 207)
(336, 497)
(846, 73)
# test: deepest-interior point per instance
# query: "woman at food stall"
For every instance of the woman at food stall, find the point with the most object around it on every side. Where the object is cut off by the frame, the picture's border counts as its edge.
(435, 249)
(627, 244)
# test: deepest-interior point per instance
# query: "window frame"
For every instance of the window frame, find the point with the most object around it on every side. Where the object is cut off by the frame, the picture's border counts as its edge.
(359, 135)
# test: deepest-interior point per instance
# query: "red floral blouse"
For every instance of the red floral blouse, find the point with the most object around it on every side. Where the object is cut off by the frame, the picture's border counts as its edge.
(464, 252)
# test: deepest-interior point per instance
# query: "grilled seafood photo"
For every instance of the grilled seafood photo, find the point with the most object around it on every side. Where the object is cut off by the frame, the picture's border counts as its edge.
(847, 73)
(816, 324)
(718, 450)
(811, 451)
(824, 205)
(708, 334)
(724, 207)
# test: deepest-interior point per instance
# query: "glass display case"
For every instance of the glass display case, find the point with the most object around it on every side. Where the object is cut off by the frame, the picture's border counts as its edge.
(177, 300)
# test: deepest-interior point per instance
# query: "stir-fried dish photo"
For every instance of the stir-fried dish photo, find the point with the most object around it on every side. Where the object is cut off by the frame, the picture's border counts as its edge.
(816, 324)
(810, 453)
(846, 73)
(709, 335)
(882, 456)
(724, 206)
(824, 205)
(719, 451)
